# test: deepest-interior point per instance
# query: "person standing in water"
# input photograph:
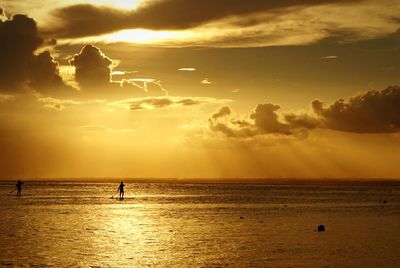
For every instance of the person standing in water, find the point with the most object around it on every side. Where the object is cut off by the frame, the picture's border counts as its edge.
(121, 190)
(19, 187)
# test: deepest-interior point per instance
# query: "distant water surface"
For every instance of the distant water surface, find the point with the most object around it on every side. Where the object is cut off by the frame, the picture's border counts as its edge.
(69, 224)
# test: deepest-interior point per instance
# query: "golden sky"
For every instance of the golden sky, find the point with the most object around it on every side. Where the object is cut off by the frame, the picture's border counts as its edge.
(200, 89)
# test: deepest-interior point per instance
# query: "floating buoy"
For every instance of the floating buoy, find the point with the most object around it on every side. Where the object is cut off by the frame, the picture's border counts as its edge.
(321, 228)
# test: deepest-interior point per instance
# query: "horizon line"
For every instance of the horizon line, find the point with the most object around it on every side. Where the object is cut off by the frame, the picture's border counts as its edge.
(272, 181)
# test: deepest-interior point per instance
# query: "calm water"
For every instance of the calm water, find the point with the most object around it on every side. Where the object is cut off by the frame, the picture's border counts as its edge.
(182, 225)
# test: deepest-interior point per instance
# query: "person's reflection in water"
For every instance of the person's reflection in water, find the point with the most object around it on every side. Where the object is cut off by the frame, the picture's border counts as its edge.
(121, 191)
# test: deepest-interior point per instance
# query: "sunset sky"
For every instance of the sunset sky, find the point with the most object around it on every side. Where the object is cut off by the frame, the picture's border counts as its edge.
(200, 89)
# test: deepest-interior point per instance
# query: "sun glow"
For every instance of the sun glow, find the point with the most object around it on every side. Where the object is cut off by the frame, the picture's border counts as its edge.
(124, 4)
(142, 36)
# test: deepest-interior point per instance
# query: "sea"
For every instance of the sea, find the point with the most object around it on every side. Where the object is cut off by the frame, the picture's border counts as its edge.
(83, 224)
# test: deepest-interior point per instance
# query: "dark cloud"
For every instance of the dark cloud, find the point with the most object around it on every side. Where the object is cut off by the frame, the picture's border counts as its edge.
(372, 112)
(44, 74)
(88, 20)
(187, 102)
(224, 111)
(150, 103)
(19, 66)
(153, 103)
(264, 120)
(94, 75)
(92, 67)
(18, 40)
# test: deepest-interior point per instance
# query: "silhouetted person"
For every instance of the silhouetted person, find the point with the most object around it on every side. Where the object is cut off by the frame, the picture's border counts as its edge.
(121, 190)
(19, 187)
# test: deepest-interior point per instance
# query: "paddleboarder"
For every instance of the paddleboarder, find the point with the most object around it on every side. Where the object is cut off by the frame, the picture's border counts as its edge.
(121, 190)
(19, 187)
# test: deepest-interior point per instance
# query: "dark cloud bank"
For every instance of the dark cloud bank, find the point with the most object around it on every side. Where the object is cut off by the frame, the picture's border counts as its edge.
(23, 68)
(19, 66)
(371, 112)
(88, 20)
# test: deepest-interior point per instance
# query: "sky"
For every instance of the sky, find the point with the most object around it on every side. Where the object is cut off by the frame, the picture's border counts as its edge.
(200, 89)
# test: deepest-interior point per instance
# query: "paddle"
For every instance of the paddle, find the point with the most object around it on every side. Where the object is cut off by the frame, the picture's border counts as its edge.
(13, 191)
(115, 193)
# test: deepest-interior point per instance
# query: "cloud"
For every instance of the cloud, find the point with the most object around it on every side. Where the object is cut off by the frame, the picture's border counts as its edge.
(236, 23)
(93, 73)
(187, 69)
(6, 97)
(263, 120)
(20, 68)
(370, 112)
(19, 39)
(92, 67)
(3, 15)
(96, 128)
(122, 72)
(331, 57)
(224, 111)
(56, 104)
(144, 84)
(205, 81)
(89, 20)
(151, 103)
(44, 73)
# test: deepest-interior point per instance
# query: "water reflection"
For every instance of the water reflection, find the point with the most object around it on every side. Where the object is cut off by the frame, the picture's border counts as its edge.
(198, 226)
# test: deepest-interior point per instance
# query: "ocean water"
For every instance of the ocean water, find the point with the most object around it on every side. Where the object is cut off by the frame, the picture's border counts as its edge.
(56, 224)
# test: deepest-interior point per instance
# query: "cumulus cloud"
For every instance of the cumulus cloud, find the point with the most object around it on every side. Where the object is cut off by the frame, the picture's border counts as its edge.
(263, 120)
(19, 66)
(44, 73)
(92, 67)
(94, 74)
(89, 20)
(19, 38)
(370, 112)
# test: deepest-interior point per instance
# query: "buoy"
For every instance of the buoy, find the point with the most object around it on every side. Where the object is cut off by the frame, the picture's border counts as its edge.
(384, 201)
(321, 228)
